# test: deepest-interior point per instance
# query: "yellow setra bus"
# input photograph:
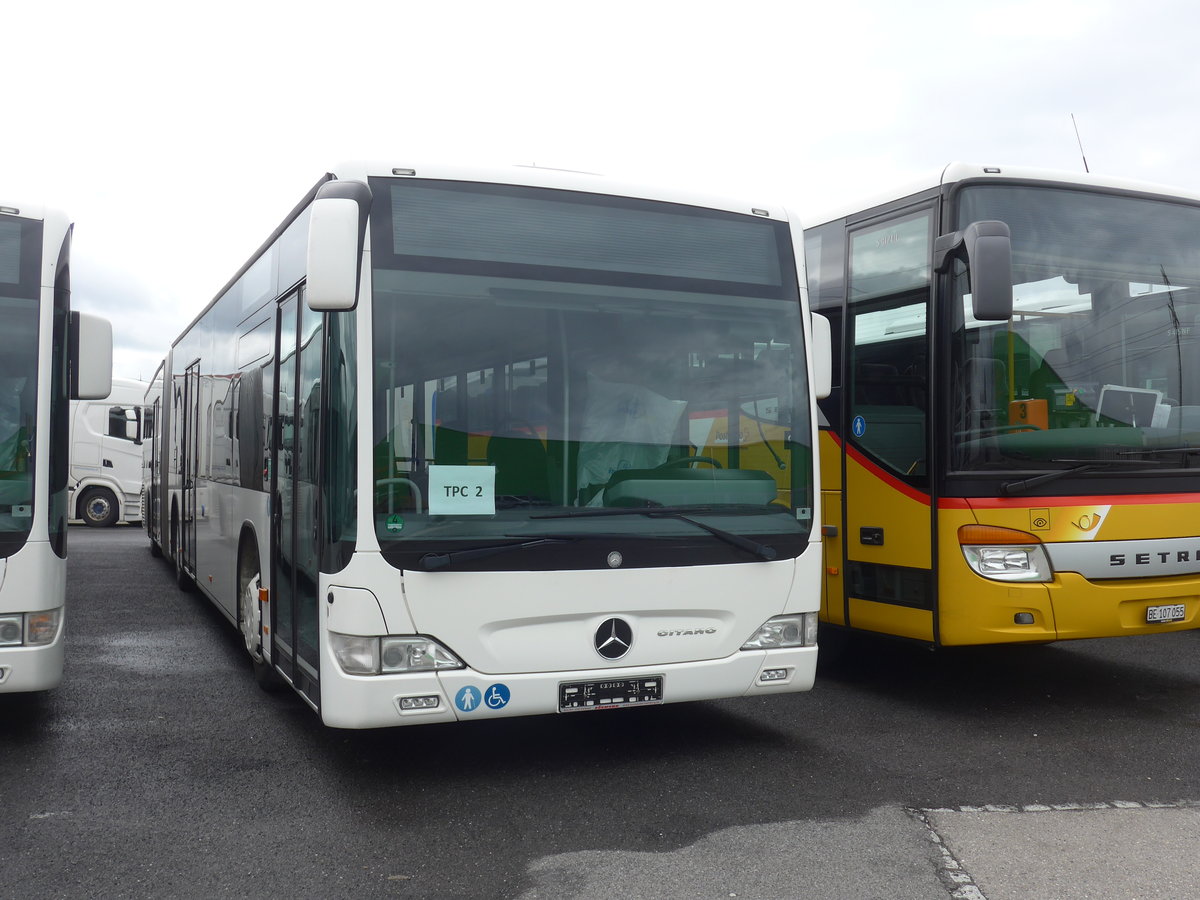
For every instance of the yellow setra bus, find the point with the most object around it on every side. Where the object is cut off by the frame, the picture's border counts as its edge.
(1011, 452)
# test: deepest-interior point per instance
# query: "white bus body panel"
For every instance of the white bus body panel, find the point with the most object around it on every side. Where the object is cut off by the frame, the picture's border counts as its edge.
(532, 642)
(92, 447)
(34, 580)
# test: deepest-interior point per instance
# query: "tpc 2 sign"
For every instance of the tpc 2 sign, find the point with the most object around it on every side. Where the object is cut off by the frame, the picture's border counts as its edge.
(462, 490)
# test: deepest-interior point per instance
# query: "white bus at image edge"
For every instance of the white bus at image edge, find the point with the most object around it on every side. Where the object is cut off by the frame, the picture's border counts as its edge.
(48, 355)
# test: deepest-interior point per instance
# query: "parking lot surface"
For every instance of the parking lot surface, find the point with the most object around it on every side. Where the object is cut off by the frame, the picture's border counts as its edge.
(160, 769)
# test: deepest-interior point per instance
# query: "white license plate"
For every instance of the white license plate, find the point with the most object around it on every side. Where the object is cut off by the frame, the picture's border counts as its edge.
(1173, 613)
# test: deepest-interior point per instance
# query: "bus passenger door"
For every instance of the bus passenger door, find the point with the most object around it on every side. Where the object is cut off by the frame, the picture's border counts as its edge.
(190, 467)
(888, 542)
(294, 461)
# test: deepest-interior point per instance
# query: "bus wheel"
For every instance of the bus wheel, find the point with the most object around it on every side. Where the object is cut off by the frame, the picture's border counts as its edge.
(182, 580)
(99, 508)
(250, 622)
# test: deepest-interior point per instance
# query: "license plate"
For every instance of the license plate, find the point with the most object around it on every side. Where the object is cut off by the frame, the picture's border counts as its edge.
(1173, 613)
(575, 696)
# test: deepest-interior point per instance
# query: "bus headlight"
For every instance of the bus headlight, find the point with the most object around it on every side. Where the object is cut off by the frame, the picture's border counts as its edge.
(41, 628)
(415, 654)
(35, 629)
(355, 654)
(359, 655)
(798, 630)
(1004, 554)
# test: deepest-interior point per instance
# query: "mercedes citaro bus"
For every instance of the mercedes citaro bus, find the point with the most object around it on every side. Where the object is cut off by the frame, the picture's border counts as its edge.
(461, 443)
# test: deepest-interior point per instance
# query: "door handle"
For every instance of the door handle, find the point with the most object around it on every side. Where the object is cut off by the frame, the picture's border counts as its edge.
(871, 536)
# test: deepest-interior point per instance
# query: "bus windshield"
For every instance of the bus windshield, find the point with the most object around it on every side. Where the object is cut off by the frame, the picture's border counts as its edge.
(20, 258)
(539, 350)
(1099, 366)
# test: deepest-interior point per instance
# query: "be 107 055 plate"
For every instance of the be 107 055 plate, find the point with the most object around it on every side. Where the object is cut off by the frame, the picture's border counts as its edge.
(1175, 612)
(575, 696)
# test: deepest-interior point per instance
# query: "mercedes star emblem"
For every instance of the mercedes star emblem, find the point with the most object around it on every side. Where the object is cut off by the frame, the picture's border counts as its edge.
(614, 637)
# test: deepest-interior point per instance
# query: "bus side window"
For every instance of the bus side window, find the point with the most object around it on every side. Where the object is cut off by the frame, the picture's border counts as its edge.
(889, 284)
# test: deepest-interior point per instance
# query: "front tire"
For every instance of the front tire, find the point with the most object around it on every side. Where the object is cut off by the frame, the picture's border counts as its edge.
(98, 507)
(250, 621)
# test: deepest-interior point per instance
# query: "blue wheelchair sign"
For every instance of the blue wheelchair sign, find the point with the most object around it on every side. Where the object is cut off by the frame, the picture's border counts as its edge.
(497, 696)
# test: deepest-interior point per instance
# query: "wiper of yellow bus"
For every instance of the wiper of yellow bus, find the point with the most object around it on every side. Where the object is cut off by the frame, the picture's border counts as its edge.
(436, 562)
(1020, 486)
(680, 513)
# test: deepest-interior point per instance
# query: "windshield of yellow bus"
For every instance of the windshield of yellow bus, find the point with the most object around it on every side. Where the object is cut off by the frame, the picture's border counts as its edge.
(1100, 361)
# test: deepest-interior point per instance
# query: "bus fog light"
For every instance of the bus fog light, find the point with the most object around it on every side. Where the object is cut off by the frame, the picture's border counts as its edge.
(785, 631)
(41, 628)
(415, 654)
(355, 654)
(1023, 619)
(11, 630)
(773, 675)
(419, 702)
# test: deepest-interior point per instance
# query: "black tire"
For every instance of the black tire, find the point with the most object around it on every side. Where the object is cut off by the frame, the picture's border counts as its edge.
(182, 580)
(248, 626)
(155, 550)
(98, 507)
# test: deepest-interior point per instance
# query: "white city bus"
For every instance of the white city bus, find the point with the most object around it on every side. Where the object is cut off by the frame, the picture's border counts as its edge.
(106, 456)
(456, 444)
(47, 355)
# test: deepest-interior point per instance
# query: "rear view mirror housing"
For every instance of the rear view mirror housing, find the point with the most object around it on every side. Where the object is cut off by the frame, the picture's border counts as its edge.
(337, 230)
(91, 347)
(822, 356)
(986, 247)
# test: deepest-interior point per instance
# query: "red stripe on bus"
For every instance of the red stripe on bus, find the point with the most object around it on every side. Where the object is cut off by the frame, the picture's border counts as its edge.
(1011, 502)
(890, 480)
(1079, 500)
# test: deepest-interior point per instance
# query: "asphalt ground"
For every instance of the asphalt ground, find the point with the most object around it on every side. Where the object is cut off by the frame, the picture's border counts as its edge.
(160, 769)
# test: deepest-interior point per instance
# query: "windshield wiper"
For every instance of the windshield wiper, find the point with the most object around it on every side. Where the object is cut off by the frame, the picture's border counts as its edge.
(1159, 451)
(436, 562)
(1020, 486)
(679, 513)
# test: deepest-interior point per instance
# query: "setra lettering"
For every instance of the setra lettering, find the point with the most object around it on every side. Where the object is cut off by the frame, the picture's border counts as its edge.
(1145, 559)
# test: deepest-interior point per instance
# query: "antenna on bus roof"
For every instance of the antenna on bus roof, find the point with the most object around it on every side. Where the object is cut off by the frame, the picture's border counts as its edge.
(1080, 142)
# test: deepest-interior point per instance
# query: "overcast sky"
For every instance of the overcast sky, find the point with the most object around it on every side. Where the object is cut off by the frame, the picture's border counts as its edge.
(178, 136)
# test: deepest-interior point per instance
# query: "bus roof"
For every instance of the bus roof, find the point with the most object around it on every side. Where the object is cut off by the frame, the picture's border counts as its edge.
(959, 171)
(561, 179)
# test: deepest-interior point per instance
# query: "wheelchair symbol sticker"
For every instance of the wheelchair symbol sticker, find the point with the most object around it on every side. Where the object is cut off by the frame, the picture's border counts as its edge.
(497, 696)
(859, 426)
(469, 698)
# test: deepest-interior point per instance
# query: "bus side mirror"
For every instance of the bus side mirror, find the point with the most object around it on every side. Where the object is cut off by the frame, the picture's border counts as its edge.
(337, 229)
(822, 356)
(90, 342)
(987, 249)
